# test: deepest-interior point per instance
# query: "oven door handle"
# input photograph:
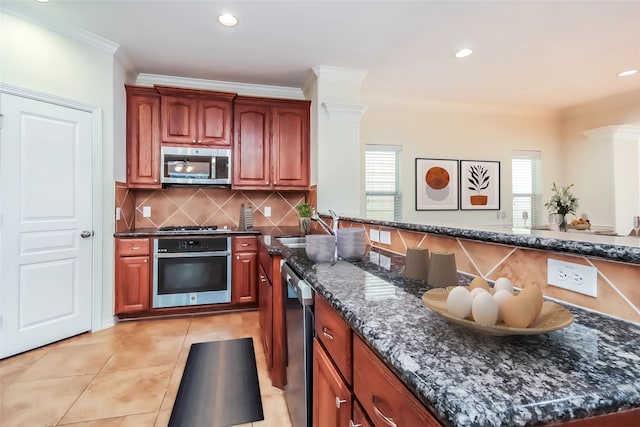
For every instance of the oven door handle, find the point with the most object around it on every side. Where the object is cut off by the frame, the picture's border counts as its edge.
(190, 254)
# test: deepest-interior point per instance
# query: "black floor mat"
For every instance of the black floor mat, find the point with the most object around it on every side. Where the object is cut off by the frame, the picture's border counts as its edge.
(219, 386)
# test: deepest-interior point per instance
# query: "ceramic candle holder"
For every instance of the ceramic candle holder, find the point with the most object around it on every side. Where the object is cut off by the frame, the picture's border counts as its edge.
(416, 263)
(442, 270)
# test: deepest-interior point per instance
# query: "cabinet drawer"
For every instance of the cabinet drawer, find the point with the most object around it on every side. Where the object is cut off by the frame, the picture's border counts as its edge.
(384, 398)
(245, 244)
(335, 335)
(132, 247)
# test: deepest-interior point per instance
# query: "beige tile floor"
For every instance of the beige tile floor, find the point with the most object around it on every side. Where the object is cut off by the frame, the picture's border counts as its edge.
(125, 376)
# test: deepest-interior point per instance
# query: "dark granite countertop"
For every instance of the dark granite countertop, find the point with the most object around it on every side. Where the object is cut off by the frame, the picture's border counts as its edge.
(614, 248)
(592, 367)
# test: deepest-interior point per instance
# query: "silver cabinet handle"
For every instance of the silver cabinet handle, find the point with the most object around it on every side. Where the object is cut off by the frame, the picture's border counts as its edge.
(339, 402)
(193, 140)
(145, 260)
(135, 248)
(244, 244)
(352, 424)
(325, 332)
(387, 420)
(85, 234)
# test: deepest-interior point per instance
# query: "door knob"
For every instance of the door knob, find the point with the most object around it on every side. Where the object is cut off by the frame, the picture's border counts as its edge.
(85, 234)
(339, 402)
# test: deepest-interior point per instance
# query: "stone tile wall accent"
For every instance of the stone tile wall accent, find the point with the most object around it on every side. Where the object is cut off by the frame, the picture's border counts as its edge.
(618, 283)
(214, 206)
(125, 201)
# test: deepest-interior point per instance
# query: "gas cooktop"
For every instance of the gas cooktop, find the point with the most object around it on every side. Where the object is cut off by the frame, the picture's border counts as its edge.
(189, 228)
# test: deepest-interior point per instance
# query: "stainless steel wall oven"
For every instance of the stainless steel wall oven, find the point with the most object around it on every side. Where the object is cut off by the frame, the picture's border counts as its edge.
(190, 271)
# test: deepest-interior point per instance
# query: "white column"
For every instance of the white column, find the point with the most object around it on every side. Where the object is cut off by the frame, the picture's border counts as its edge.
(335, 137)
(624, 141)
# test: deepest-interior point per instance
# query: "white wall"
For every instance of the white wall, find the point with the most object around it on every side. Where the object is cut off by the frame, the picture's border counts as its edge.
(590, 161)
(443, 132)
(45, 61)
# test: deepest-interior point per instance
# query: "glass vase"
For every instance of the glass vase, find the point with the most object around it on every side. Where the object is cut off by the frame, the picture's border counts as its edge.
(305, 225)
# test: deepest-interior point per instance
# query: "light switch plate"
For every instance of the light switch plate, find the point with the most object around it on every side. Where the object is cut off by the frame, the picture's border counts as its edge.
(374, 235)
(146, 211)
(117, 214)
(574, 277)
(267, 211)
(385, 237)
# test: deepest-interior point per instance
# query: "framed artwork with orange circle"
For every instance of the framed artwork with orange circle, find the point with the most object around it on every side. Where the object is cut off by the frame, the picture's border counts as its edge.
(436, 184)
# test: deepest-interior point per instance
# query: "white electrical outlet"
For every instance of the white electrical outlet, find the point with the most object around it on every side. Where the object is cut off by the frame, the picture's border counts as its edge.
(117, 214)
(385, 237)
(574, 277)
(146, 211)
(374, 235)
(385, 262)
(267, 211)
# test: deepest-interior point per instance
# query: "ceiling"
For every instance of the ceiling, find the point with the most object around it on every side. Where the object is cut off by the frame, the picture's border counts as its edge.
(535, 54)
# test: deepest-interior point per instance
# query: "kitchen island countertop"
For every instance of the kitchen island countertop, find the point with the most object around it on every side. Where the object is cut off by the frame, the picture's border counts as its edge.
(590, 368)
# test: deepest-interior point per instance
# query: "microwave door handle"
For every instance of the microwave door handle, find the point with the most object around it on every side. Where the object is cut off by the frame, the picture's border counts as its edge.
(213, 167)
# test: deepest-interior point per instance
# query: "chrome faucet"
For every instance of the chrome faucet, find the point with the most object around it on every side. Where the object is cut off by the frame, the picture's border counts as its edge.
(334, 219)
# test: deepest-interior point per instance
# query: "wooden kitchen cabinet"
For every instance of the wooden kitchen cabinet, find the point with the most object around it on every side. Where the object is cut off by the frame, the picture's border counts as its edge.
(244, 275)
(335, 336)
(331, 396)
(271, 315)
(384, 398)
(133, 273)
(265, 308)
(196, 117)
(359, 418)
(143, 137)
(271, 144)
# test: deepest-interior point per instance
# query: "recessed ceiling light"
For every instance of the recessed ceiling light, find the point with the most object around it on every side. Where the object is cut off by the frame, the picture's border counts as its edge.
(627, 73)
(462, 53)
(43, 1)
(228, 20)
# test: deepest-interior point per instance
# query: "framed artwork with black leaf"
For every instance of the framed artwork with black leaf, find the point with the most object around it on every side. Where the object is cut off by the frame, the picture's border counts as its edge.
(479, 185)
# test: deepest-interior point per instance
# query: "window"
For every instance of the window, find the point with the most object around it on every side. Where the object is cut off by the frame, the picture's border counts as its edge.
(381, 182)
(524, 176)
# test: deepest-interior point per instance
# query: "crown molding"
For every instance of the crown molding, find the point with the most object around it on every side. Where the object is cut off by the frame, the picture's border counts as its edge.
(66, 30)
(45, 97)
(613, 133)
(354, 75)
(344, 112)
(246, 89)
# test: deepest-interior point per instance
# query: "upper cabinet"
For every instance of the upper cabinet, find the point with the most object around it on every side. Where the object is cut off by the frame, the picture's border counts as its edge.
(271, 144)
(143, 137)
(196, 117)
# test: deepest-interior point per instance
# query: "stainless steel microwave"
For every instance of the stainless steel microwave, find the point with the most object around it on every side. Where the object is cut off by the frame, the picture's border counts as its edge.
(200, 166)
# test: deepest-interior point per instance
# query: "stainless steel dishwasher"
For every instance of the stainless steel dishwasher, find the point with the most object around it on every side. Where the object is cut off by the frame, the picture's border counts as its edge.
(299, 323)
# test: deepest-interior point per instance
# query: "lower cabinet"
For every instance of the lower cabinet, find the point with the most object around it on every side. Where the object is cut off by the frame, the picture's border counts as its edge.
(132, 275)
(352, 387)
(331, 395)
(265, 304)
(244, 266)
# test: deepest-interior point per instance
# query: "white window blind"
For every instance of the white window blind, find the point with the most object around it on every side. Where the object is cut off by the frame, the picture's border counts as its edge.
(524, 176)
(381, 182)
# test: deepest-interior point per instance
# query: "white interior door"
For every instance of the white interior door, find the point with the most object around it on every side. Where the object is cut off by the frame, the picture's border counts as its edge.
(46, 205)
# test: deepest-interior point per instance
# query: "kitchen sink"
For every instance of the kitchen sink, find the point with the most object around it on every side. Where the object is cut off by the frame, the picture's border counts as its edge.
(292, 242)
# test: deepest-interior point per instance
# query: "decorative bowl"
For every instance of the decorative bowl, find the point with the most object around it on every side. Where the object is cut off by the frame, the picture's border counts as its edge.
(581, 226)
(551, 318)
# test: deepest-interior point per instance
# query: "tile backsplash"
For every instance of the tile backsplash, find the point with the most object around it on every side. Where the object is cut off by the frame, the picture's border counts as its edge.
(203, 206)
(618, 283)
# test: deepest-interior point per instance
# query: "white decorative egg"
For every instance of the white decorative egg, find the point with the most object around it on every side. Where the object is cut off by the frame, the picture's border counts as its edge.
(503, 284)
(459, 302)
(476, 291)
(501, 296)
(484, 309)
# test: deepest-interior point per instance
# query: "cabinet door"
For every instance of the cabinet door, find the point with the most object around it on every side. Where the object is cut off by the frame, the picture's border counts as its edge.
(359, 418)
(331, 397)
(143, 138)
(132, 284)
(179, 119)
(290, 146)
(214, 122)
(251, 157)
(244, 278)
(265, 295)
